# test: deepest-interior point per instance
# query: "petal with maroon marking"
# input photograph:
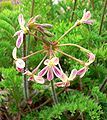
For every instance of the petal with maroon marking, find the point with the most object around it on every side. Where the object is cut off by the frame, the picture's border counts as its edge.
(21, 20)
(82, 71)
(20, 63)
(43, 71)
(57, 71)
(50, 74)
(19, 40)
(19, 69)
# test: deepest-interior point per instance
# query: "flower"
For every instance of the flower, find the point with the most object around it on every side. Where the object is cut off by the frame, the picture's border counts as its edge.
(51, 69)
(66, 80)
(21, 32)
(83, 70)
(20, 64)
(33, 77)
(86, 18)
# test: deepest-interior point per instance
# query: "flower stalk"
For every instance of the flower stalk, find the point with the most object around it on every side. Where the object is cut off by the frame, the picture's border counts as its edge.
(73, 58)
(67, 31)
(26, 91)
(54, 96)
(102, 18)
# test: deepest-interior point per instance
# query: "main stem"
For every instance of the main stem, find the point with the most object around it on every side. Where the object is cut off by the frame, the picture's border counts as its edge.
(102, 18)
(54, 96)
(73, 10)
(26, 92)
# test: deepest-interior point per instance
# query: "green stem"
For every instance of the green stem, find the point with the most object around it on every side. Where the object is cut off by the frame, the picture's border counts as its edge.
(67, 32)
(102, 18)
(73, 10)
(54, 93)
(40, 51)
(26, 92)
(73, 58)
(32, 9)
(80, 47)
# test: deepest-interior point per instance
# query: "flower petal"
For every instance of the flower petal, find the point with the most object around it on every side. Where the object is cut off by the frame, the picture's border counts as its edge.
(55, 60)
(17, 33)
(20, 63)
(56, 71)
(62, 84)
(21, 20)
(86, 15)
(39, 79)
(82, 71)
(73, 74)
(88, 22)
(91, 57)
(19, 40)
(46, 62)
(64, 77)
(14, 53)
(50, 74)
(43, 71)
(19, 69)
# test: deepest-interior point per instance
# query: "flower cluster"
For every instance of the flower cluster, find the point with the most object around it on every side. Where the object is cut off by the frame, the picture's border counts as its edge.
(50, 49)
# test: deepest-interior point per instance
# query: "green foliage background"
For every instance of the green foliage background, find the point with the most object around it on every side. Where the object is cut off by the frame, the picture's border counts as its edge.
(87, 36)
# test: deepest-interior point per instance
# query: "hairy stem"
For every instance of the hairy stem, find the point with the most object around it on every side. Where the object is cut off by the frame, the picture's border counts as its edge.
(73, 58)
(73, 10)
(102, 18)
(54, 93)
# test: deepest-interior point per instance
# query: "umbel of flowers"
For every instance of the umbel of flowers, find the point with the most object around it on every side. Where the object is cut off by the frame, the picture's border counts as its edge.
(52, 67)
